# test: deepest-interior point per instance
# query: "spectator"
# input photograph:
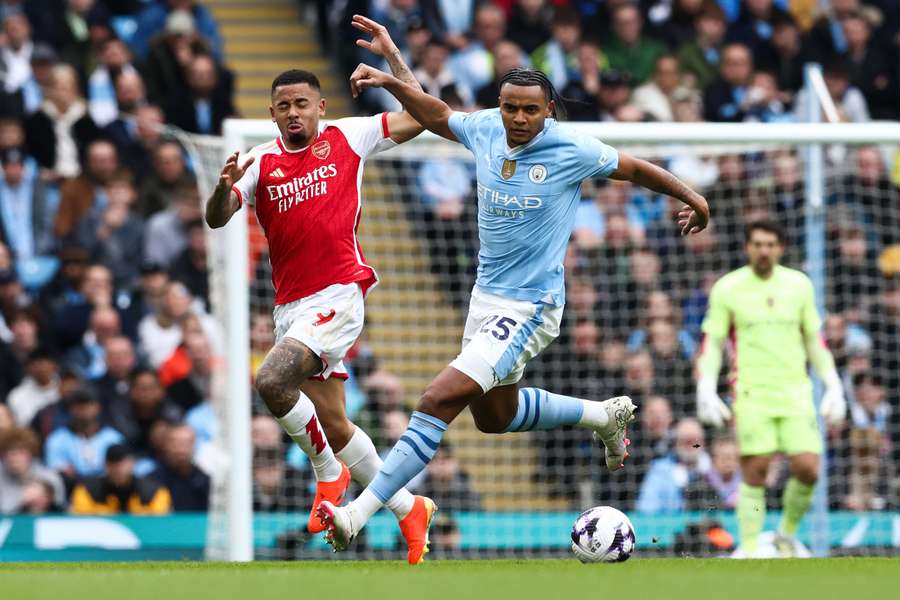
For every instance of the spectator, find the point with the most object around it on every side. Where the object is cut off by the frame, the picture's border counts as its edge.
(192, 389)
(723, 99)
(699, 58)
(849, 100)
(629, 50)
(79, 196)
(870, 66)
(153, 19)
(763, 101)
(639, 377)
(658, 305)
(191, 267)
(168, 175)
(26, 212)
(72, 316)
(506, 56)
(558, 58)
(210, 103)
(472, 64)
(869, 443)
(674, 21)
(120, 360)
(40, 387)
(13, 355)
(787, 57)
(119, 491)
(165, 235)
(56, 415)
(115, 59)
(115, 237)
(19, 467)
(826, 37)
(137, 141)
(852, 272)
(160, 332)
(725, 476)
(669, 365)
(446, 483)
(7, 422)
(57, 134)
(12, 299)
(71, 31)
(188, 485)
(754, 27)
(654, 98)
(131, 94)
(396, 16)
(528, 24)
(88, 360)
(614, 94)
(15, 55)
(145, 404)
(170, 54)
(869, 191)
(78, 449)
(277, 487)
(652, 437)
(673, 480)
(434, 73)
(581, 91)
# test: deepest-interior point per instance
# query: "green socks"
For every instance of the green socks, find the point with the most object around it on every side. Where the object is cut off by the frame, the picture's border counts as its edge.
(795, 502)
(751, 515)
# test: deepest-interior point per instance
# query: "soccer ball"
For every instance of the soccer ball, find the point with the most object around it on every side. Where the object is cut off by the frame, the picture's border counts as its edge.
(602, 534)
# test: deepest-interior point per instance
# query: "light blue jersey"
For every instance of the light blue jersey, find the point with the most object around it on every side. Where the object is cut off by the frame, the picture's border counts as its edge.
(527, 197)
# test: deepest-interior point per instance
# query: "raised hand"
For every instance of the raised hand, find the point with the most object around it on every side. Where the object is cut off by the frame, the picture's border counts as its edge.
(691, 221)
(381, 42)
(232, 171)
(365, 77)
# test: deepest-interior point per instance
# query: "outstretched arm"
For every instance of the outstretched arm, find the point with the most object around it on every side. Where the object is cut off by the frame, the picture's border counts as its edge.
(223, 202)
(402, 126)
(693, 218)
(431, 112)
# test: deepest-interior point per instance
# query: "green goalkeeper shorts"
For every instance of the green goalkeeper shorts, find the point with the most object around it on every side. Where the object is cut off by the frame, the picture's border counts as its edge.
(759, 432)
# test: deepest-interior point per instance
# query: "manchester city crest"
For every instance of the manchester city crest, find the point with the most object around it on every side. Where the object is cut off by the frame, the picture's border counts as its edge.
(508, 169)
(537, 173)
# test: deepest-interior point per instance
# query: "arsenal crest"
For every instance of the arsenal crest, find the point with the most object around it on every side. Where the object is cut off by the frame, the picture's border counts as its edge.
(508, 169)
(322, 150)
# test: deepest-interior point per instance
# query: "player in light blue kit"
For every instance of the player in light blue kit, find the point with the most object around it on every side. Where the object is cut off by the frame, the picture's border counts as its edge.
(529, 171)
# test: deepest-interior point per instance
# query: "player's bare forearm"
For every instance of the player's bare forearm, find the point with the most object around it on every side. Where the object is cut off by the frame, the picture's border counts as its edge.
(432, 113)
(220, 206)
(400, 69)
(657, 179)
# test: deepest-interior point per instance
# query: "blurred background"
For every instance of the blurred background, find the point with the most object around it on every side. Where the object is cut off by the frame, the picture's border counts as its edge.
(108, 341)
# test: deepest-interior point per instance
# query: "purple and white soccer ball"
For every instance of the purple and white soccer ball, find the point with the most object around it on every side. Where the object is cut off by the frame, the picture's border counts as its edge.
(603, 534)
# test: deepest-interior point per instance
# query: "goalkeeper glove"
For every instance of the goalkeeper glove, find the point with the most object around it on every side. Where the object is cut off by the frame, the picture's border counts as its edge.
(710, 408)
(834, 406)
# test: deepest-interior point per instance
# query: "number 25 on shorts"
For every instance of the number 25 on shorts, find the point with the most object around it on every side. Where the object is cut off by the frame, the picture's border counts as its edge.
(498, 326)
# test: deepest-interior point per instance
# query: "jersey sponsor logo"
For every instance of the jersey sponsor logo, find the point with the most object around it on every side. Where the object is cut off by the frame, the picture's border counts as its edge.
(323, 318)
(506, 205)
(301, 189)
(508, 169)
(277, 173)
(537, 173)
(322, 150)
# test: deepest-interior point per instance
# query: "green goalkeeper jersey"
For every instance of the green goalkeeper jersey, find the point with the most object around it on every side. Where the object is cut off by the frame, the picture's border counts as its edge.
(765, 321)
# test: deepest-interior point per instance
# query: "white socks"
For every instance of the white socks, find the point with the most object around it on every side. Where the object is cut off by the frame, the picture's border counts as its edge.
(594, 415)
(302, 425)
(364, 463)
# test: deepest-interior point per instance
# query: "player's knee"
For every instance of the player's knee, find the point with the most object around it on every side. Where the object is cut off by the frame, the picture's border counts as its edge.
(807, 474)
(269, 384)
(488, 424)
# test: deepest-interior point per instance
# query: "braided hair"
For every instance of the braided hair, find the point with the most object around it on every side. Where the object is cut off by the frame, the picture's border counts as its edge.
(529, 77)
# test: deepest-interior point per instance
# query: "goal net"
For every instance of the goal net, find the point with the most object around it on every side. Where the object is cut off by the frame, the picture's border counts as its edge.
(636, 296)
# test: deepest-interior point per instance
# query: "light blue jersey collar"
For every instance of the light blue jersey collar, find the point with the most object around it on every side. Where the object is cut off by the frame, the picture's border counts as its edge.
(511, 152)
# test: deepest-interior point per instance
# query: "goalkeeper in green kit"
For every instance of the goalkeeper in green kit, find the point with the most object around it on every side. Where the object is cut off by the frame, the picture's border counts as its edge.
(767, 314)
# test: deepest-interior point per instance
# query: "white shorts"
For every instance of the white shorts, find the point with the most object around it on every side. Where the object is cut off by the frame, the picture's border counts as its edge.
(328, 323)
(502, 335)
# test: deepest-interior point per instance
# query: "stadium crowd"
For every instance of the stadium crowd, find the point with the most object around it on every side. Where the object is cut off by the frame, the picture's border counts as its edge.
(106, 336)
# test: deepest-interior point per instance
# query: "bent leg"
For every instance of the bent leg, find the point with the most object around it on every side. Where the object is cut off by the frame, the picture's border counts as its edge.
(329, 400)
(287, 366)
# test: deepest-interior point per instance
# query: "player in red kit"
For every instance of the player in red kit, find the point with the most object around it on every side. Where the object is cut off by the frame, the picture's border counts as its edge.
(305, 186)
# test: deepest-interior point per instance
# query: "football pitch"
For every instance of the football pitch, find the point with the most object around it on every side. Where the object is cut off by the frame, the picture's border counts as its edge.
(664, 579)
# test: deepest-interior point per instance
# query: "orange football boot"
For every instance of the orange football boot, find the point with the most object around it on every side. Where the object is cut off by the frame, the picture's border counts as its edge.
(414, 528)
(333, 491)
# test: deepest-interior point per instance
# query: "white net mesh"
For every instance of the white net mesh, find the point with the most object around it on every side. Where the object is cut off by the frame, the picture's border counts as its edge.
(636, 297)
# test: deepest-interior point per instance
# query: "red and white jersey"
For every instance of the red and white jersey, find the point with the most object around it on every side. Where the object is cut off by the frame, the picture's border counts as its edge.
(308, 203)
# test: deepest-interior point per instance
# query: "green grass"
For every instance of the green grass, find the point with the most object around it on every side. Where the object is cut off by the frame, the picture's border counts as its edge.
(664, 579)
